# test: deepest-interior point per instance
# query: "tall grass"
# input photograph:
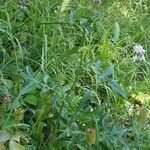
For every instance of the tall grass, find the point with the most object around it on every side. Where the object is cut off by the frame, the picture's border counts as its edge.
(67, 78)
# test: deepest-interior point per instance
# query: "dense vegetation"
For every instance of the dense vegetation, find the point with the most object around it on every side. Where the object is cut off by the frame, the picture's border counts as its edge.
(74, 74)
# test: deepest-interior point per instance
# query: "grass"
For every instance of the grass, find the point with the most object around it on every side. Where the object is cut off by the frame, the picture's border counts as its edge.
(67, 78)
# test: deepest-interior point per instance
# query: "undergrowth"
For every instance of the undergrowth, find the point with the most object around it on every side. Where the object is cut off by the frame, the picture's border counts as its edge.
(67, 77)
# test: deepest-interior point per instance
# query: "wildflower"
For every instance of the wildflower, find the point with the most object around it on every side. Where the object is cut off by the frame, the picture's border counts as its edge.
(138, 53)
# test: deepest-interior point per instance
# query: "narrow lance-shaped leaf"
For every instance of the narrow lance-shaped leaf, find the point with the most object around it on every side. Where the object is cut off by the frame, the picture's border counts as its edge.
(116, 87)
(106, 73)
(116, 33)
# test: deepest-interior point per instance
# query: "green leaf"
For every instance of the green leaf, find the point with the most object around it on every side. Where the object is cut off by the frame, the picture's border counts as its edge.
(116, 33)
(106, 73)
(120, 131)
(116, 87)
(71, 17)
(85, 98)
(31, 99)
(4, 136)
(13, 145)
(28, 88)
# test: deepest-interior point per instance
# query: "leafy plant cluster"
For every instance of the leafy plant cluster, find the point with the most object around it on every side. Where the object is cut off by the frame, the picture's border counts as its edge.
(67, 79)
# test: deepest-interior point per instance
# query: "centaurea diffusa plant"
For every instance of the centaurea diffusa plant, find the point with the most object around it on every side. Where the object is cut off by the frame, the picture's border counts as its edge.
(138, 53)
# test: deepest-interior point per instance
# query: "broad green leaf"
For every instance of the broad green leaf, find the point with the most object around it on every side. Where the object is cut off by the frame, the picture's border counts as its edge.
(28, 88)
(116, 87)
(4, 136)
(85, 98)
(106, 73)
(31, 99)
(13, 145)
(66, 5)
(116, 33)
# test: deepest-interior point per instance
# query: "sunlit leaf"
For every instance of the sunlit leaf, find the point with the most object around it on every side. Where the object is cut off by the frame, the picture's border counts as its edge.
(18, 137)
(13, 145)
(31, 99)
(66, 5)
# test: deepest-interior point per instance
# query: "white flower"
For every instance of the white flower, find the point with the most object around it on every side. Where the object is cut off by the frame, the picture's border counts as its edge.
(138, 53)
